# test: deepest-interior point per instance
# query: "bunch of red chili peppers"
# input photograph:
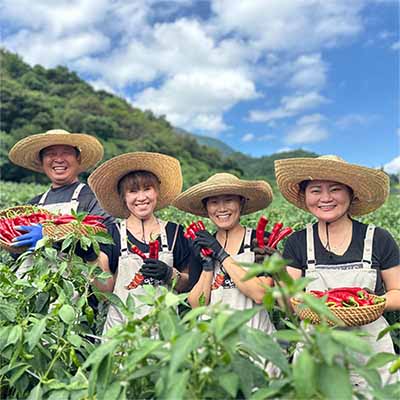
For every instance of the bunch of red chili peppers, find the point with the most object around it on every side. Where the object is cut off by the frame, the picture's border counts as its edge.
(277, 233)
(191, 234)
(13, 219)
(154, 248)
(347, 297)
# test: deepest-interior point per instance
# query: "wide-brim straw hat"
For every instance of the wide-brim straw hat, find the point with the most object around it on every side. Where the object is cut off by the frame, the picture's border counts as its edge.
(104, 179)
(25, 153)
(258, 194)
(370, 186)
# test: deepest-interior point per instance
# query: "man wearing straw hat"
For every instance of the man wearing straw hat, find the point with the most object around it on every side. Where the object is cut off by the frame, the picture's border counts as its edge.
(339, 251)
(62, 156)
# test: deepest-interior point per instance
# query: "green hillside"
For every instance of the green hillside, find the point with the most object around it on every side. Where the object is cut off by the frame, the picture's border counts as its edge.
(36, 99)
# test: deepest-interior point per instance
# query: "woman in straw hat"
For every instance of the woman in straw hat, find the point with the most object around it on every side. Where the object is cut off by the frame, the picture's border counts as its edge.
(224, 198)
(339, 251)
(131, 187)
(62, 156)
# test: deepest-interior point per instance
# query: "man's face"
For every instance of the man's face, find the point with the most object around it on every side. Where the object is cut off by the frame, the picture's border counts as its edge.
(61, 164)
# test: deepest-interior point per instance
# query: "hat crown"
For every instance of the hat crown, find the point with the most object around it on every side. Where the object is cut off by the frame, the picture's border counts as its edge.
(57, 132)
(223, 177)
(332, 157)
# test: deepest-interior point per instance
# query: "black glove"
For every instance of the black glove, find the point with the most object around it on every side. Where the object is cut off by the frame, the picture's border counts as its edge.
(261, 253)
(87, 255)
(205, 239)
(156, 269)
(206, 261)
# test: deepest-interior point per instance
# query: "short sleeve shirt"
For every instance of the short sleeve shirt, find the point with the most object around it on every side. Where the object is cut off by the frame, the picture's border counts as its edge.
(385, 251)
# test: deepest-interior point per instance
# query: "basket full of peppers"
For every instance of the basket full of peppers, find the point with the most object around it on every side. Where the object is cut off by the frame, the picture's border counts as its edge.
(13, 217)
(56, 227)
(355, 306)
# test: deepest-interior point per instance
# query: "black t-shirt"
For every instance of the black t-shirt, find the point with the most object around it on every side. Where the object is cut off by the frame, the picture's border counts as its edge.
(181, 252)
(87, 200)
(195, 267)
(385, 251)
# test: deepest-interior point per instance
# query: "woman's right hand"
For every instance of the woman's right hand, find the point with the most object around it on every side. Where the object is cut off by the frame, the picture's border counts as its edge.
(204, 239)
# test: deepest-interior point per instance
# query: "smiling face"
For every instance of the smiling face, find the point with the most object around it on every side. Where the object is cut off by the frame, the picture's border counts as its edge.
(140, 193)
(224, 210)
(61, 163)
(327, 200)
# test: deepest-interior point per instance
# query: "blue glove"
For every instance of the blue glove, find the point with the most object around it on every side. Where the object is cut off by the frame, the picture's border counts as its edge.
(33, 235)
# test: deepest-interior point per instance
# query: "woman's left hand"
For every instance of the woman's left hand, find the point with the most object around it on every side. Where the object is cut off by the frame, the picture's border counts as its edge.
(204, 239)
(156, 269)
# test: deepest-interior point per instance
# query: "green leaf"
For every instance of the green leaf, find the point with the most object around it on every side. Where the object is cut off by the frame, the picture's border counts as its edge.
(75, 340)
(8, 312)
(113, 391)
(265, 393)
(168, 324)
(41, 300)
(147, 346)
(229, 382)
(304, 375)
(100, 352)
(263, 345)
(36, 393)
(177, 386)
(381, 359)
(328, 348)
(36, 333)
(390, 328)
(193, 314)
(171, 300)
(235, 321)
(288, 335)
(67, 314)
(184, 345)
(334, 382)
(320, 308)
(352, 341)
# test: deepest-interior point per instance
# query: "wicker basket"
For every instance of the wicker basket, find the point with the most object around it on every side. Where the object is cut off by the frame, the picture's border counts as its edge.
(351, 316)
(19, 210)
(60, 232)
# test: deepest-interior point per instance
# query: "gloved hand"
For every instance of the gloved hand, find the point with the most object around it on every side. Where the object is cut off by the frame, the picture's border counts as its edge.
(206, 262)
(156, 269)
(33, 235)
(87, 255)
(261, 253)
(205, 239)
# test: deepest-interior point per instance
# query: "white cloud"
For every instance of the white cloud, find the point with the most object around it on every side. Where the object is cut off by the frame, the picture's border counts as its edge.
(351, 120)
(248, 137)
(395, 45)
(196, 100)
(310, 72)
(290, 106)
(393, 167)
(308, 129)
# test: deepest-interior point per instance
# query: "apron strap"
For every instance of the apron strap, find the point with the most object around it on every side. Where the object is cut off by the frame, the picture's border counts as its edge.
(175, 237)
(247, 240)
(367, 254)
(74, 200)
(310, 247)
(163, 235)
(43, 198)
(124, 238)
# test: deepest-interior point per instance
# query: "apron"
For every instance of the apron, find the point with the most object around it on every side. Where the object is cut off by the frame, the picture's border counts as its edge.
(65, 207)
(229, 294)
(128, 264)
(57, 208)
(355, 274)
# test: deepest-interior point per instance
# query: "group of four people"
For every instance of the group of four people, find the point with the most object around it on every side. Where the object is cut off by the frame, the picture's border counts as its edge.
(336, 251)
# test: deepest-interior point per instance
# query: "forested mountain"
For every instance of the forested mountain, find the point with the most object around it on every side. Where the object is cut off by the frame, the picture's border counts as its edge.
(35, 99)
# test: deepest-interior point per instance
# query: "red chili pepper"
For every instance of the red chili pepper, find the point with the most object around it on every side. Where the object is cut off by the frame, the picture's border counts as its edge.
(218, 281)
(137, 251)
(260, 230)
(282, 234)
(317, 293)
(201, 226)
(136, 281)
(154, 247)
(274, 233)
(191, 234)
(64, 219)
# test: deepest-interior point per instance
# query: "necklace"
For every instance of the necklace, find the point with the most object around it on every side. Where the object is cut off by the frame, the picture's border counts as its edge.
(338, 246)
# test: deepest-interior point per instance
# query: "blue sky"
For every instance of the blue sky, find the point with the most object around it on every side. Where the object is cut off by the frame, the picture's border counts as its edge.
(262, 75)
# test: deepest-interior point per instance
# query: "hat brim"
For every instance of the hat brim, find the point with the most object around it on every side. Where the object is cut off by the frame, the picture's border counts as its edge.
(104, 180)
(258, 195)
(370, 186)
(25, 153)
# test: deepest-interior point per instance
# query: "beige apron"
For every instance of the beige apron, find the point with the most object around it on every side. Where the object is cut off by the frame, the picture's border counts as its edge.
(357, 274)
(229, 294)
(128, 264)
(57, 208)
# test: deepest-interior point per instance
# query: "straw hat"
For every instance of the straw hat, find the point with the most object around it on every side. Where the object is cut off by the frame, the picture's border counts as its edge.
(258, 194)
(26, 152)
(104, 179)
(370, 186)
